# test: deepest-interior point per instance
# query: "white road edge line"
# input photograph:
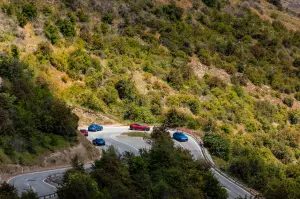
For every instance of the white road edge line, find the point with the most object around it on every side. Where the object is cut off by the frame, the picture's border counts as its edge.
(124, 143)
(49, 184)
(65, 168)
(33, 189)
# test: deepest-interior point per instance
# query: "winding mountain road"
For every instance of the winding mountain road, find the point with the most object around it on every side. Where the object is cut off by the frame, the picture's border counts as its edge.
(112, 136)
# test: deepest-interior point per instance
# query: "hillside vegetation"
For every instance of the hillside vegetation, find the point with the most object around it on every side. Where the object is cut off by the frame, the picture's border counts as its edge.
(213, 66)
(32, 120)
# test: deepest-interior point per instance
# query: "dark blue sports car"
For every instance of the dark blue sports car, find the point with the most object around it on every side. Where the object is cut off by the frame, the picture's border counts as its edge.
(95, 127)
(99, 141)
(179, 136)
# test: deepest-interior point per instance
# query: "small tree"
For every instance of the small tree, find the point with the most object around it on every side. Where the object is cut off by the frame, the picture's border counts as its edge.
(29, 195)
(8, 191)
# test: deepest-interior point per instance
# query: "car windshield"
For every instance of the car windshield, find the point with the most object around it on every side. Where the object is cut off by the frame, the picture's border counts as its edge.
(180, 134)
(99, 139)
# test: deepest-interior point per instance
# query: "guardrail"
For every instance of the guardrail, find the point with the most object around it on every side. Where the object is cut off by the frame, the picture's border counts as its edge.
(212, 165)
(53, 195)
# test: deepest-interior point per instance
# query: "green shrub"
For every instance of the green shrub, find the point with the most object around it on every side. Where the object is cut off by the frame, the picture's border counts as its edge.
(126, 90)
(175, 118)
(66, 27)
(296, 62)
(15, 51)
(27, 13)
(171, 11)
(108, 18)
(288, 101)
(44, 50)
(139, 114)
(51, 32)
(47, 10)
(82, 16)
(214, 82)
(217, 145)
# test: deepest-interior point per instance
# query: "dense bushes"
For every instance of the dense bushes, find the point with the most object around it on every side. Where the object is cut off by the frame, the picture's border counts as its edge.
(217, 145)
(175, 118)
(66, 27)
(27, 12)
(32, 119)
(51, 32)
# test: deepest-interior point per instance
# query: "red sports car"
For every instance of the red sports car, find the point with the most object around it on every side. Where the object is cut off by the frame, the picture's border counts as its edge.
(84, 132)
(139, 127)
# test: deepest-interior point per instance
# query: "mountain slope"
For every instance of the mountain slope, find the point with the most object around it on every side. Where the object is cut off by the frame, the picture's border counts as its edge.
(230, 71)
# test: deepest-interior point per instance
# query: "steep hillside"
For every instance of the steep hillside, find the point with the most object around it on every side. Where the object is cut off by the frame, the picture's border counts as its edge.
(229, 69)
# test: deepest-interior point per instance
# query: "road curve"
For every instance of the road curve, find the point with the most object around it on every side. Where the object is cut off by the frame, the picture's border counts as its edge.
(112, 136)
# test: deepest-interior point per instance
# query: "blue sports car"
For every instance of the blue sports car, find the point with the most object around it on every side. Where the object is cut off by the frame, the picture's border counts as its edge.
(179, 136)
(99, 141)
(95, 127)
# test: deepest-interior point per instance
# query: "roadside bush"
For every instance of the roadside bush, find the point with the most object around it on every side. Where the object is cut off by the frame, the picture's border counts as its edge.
(139, 114)
(217, 145)
(288, 101)
(175, 118)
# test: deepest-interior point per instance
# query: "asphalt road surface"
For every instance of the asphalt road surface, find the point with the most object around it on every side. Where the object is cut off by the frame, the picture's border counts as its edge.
(113, 136)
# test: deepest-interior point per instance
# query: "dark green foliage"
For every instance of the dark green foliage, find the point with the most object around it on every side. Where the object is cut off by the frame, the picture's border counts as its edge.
(28, 12)
(211, 3)
(139, 114)
(78, 185)
(80, 62)
(217, 145)
(29, 195)
(171, 12)
(51, 32)
(175, 118)
(126, 90)
(275, 2)
(8, 191)
(296, 62)
(30, 113)
(288, 101)
(15, 51)
(108, 18)
(66, 27)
